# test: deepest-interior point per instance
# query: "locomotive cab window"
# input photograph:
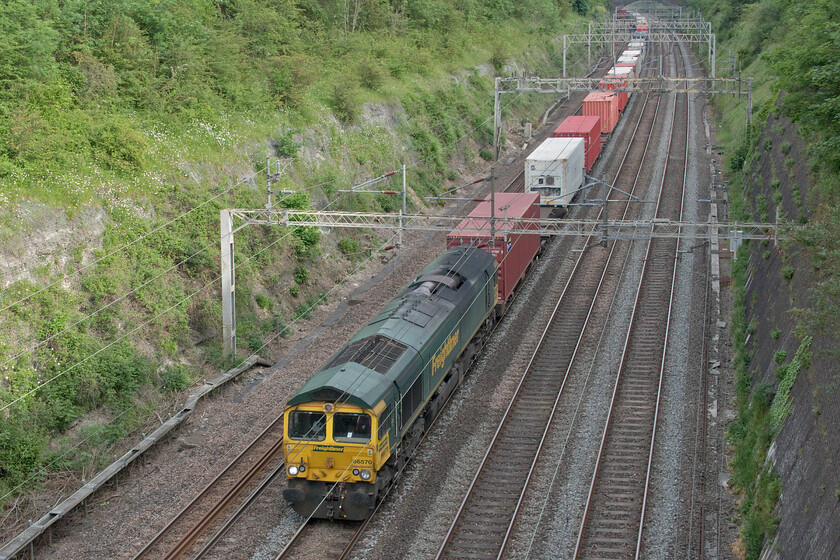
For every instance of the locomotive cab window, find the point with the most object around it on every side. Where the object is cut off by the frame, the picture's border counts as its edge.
(351, 428)
(304, 424)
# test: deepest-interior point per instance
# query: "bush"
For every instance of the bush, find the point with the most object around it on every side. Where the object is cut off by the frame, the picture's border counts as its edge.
(345, 101)
(285, 145)
(175, 378)
(787, 272)
(123, 147)
(349, 247)
(301, 274)
(785, 147)
(498, 58)
(290, 78)
(264, 301)
(254, 342)
(372, 75)
(22, 449)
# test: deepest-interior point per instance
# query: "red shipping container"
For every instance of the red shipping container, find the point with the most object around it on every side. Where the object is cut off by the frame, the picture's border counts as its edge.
(513, 251)
(605, 105)
(614, 83)
(586, 127)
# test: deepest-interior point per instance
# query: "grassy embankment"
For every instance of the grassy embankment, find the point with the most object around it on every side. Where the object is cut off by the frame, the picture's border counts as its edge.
(149, 112)
(789, 48)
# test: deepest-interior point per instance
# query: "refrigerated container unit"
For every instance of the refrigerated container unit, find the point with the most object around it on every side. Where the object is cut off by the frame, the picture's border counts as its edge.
(514, 252)
(586, 127)
(602, 104)
(555, 171)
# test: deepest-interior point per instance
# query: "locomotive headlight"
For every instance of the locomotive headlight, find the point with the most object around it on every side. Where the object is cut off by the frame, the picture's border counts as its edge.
(355, 472)
(293, 470)
(365, 474)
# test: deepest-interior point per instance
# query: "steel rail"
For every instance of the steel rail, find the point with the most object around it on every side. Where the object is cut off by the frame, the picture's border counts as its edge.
(208, 545)
(536, 353)
(586, 322)
(698, 490)
(236, 462)
(699, 467)
(668, 315)
(625, 358)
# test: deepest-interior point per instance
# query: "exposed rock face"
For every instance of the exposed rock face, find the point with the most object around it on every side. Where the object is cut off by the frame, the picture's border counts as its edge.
(807, 449)
(42, 234)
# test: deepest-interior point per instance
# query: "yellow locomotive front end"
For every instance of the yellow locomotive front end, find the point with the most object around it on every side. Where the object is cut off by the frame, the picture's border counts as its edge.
(333, 456)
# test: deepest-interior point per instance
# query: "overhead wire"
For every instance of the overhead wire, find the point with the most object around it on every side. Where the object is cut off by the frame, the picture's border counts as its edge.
(130, 243)
(393, 410)
(417, 161)
(43, 384)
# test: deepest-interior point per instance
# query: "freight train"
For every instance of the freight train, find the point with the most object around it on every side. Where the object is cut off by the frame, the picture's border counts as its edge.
(353, 425)
(351, 428)
(556, 168)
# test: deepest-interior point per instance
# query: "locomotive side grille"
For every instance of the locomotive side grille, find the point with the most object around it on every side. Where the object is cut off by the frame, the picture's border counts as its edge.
(377, 352)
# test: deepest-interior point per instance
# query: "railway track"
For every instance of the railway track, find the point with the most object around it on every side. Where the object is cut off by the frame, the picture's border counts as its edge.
(185, 529)
(702, 467)
(209, 509)
(486, 517)
(322, 536)
(613, 520)
(305, 531)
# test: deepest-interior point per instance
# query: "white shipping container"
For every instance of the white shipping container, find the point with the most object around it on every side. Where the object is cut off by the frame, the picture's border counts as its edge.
(555, 170)
(628, 59)
(619, 72)
(632, 52)
(636, 44)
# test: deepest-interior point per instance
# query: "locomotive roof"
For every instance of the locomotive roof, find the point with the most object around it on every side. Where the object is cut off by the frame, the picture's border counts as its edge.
(349, 382)
(383, 353)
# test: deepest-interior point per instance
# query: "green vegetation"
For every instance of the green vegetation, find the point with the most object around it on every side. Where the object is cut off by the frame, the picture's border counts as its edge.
(143, 110)
(790, 49)
(781, 407)
(751, 433)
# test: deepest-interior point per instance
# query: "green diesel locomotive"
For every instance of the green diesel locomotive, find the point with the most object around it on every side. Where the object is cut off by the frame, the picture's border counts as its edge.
(352, 426)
